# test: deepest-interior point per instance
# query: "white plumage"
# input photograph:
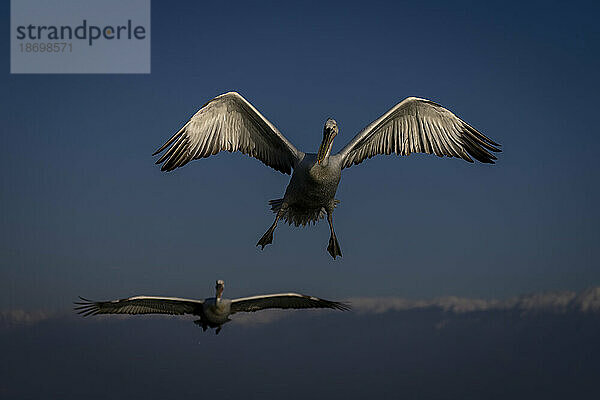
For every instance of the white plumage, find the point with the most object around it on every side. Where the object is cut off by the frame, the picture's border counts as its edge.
(229, 122)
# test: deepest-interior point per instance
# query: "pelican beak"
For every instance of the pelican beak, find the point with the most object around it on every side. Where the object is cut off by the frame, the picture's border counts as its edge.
(328, 135)
(219, 289)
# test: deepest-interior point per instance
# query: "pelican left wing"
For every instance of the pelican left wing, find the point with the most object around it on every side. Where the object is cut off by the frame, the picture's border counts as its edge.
(229, 122)
(140, 305)
(419, 126)
(283, 300)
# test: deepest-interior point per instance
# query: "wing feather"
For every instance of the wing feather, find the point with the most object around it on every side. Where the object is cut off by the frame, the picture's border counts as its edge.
(140, 305)
(283, 300)
(419, 126)
(229, 122)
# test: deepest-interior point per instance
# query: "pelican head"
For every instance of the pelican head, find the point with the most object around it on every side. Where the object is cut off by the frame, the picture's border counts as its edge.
(329, 132)
(219, 288)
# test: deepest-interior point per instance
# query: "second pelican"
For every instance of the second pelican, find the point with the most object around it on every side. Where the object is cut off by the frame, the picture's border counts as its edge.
(213, 312)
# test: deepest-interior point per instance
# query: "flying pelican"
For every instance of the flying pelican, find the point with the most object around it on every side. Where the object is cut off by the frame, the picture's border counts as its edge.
(229, 122)
(213, 312)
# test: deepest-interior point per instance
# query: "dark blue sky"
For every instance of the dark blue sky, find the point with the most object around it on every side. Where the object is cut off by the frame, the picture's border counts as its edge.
(85, 211)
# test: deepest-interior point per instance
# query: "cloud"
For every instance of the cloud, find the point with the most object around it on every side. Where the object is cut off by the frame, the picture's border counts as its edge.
(19, 317)
(587, 301)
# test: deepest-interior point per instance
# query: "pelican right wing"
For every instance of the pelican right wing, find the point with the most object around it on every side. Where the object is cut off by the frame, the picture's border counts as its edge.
(283, 300)
(229, 122)
(419, 126)
(140, 305)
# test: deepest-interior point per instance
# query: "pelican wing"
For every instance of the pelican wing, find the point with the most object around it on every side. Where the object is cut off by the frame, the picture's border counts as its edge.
(283, 300)
(140, 305)
(419, 126)
(229, 122)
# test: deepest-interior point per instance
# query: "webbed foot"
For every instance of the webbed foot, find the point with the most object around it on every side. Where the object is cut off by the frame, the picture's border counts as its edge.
(266, 239)
(201, 324)
(334, 247)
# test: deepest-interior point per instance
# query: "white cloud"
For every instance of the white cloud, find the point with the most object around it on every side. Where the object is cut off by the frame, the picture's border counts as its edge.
(558, 302)
(22, 317)
(587, 301)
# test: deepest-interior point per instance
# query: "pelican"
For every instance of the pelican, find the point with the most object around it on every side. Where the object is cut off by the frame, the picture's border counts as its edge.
(229, 122)
(213, 311)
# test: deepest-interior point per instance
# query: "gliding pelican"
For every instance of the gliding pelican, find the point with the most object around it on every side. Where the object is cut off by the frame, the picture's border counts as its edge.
(213, 312)
(229, 122)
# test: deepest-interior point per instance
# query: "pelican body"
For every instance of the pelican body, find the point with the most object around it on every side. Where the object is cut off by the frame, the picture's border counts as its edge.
(229, 122)
(214, 312)
(311, 192)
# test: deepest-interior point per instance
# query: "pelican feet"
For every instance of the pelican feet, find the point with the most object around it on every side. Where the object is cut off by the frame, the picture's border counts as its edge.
(266, 239)
(201, 324)
(334, 247)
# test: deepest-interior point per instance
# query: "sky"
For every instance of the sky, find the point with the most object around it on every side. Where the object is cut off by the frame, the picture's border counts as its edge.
(86, 212)
(466, 280)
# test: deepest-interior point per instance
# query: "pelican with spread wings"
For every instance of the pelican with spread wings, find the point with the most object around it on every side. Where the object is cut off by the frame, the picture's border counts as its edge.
(213, 312)
(229, 122)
